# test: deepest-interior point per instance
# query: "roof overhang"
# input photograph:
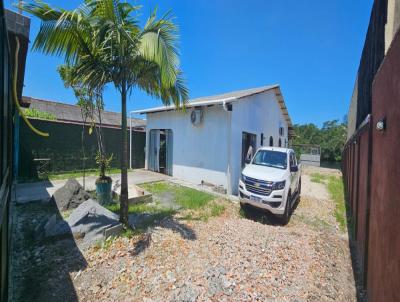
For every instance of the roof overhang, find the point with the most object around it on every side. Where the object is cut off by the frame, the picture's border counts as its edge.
(283, 107)
(187, 105)
(222, 101)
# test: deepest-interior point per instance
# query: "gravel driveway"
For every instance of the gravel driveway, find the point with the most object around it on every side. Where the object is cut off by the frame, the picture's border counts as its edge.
(234, 257)
(229, 258)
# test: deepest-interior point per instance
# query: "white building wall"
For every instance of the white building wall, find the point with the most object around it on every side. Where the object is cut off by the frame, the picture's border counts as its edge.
(259, 114)
(199, 152)
(202, 152)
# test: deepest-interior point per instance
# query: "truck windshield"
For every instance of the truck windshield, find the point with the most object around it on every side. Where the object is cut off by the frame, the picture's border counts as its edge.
(270, 159)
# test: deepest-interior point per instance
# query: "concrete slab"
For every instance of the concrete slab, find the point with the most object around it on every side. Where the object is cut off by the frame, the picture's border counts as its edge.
(135, 194)
(29, 192)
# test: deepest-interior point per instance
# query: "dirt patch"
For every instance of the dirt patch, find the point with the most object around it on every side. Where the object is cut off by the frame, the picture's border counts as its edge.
(313, 189)
(40, 269)
(221, 263)
(308, 170)
(228, 258)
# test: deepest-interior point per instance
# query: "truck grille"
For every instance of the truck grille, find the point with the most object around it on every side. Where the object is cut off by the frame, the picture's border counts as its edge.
(260, 187)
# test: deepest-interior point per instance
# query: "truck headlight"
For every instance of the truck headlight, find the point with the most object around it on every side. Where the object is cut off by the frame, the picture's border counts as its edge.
(242, 177)
(280, 185)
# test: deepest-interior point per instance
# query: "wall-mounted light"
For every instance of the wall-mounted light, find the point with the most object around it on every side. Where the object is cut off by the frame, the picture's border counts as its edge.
(381, 125)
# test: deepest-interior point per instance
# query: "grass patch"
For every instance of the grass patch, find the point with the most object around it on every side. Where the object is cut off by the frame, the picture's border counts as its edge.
(66, 214)
(212, 209)
(319, 178)
(76, 174)
(336, 190)
(151, 216)
(315, 222)
(195, 205)
(187, 198)
(139, 208)
(217, 210)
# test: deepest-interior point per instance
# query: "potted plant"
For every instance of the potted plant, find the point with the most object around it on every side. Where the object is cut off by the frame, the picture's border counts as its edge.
(103, 183)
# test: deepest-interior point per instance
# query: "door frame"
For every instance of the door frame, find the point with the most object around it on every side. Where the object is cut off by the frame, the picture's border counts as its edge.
(154, 150)
(243, 156)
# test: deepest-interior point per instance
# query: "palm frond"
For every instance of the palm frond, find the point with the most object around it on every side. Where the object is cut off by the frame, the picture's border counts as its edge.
(158, 43)
(61, 32)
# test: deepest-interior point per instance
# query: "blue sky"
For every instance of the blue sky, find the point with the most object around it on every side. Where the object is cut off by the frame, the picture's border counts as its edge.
(312, 48)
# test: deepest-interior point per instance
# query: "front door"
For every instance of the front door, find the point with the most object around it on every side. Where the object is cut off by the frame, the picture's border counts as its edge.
(248, 146)
(154, 146)
(160, 151)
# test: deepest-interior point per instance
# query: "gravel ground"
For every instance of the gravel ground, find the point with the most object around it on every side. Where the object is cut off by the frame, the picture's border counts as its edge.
(228, 258)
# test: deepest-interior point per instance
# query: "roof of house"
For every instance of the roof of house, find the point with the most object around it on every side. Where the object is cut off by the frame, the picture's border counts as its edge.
(72, 114)
(227, 98)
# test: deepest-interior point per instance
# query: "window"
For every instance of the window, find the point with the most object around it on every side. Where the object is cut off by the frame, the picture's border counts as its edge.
(280, 142)
(270, 158)
(262, 139)
(281, 131)
(271, 141)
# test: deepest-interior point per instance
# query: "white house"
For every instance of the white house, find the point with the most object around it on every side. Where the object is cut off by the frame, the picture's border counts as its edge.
(208, 142)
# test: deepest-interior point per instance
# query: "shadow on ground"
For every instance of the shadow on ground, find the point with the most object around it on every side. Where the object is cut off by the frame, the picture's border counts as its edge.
(184, 230)
(264, 216)
(41, 266)
(167, 222)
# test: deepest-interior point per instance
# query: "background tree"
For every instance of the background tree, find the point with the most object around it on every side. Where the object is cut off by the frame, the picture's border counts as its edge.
(331, 137)
(102, 39)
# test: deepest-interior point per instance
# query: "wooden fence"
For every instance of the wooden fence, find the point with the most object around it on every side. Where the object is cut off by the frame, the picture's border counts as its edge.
(371, 169)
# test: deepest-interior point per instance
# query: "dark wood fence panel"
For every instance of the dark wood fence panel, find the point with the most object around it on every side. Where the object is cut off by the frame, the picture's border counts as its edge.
(371, 170)
(384, 241)
(69, 157)
(355, 184)
(362, 210)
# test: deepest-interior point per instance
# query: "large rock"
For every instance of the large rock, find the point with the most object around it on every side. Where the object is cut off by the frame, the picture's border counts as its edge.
(70, 196)
(89, 222)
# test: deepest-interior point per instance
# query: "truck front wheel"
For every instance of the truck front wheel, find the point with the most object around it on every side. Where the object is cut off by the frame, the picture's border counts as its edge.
(286, 214)
(299, 189)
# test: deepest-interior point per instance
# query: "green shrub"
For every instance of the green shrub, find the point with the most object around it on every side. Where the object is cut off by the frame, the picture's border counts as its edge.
(32, 112)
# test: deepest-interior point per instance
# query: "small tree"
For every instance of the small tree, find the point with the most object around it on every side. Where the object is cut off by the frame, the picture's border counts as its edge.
(91, 104)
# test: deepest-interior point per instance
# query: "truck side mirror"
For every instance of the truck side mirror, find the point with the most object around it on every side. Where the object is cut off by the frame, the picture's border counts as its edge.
(294, 168)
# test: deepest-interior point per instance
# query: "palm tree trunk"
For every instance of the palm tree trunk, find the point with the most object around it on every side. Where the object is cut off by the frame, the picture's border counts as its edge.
(124, 161)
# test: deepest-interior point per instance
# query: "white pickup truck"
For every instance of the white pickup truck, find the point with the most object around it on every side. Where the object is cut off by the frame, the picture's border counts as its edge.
(271, 181)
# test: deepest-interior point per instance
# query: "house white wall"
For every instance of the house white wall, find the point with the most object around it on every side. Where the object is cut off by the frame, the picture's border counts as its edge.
(199, 152)
(256, 114)
(212, 151)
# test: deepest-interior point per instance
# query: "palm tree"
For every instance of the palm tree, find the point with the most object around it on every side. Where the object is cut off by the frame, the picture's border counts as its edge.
(102, 39)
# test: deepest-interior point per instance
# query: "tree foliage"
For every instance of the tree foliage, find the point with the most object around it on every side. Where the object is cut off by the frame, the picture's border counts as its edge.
(331, 137)
(104, 42)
